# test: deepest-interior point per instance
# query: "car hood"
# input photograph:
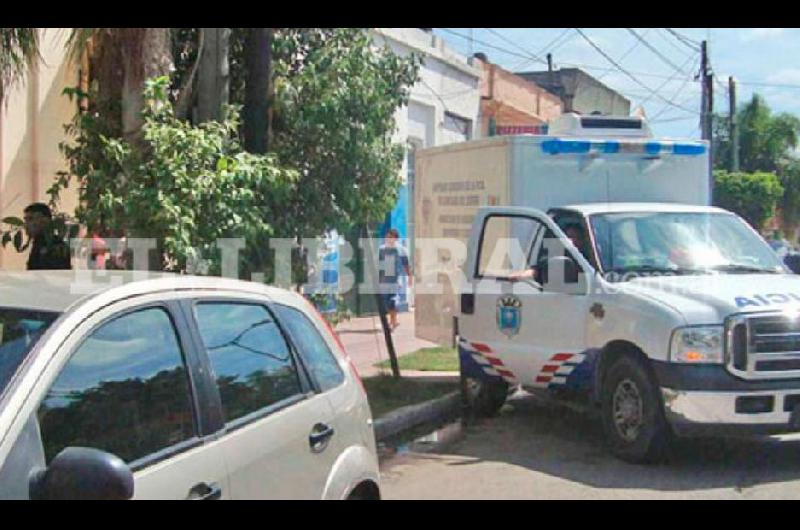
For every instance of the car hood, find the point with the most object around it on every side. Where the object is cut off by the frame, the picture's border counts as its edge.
(710, 298)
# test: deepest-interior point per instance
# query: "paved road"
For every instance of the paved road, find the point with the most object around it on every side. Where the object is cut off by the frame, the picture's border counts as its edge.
(533, 451)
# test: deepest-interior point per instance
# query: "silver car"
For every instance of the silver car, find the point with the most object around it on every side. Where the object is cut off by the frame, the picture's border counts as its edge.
(175, 387)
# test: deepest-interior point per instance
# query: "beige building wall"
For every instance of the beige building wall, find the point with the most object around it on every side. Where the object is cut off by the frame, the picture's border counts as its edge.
(31, 127)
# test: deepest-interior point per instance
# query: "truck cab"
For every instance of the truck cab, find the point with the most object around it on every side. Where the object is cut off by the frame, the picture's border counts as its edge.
(667, 319)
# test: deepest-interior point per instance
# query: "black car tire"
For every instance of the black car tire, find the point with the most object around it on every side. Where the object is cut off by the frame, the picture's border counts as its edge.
(486, 398)
(633, 414)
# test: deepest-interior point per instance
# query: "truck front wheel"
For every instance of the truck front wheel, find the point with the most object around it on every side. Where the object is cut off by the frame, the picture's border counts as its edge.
(633, 417)
(485, 398)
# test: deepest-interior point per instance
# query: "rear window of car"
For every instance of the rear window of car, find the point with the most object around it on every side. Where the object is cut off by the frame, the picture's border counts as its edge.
(20, 330)
(312, 347)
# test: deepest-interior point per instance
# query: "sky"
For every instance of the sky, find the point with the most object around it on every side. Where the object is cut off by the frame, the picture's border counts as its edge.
(661, 78)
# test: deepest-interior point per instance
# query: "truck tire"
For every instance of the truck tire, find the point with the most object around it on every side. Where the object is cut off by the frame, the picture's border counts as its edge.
(486, 398)
(633, 415)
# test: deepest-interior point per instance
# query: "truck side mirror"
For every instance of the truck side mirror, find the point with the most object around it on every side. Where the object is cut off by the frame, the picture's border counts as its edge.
(562, 275)
(82, 473)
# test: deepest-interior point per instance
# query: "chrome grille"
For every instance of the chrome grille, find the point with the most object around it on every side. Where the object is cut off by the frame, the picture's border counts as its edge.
(763, 345)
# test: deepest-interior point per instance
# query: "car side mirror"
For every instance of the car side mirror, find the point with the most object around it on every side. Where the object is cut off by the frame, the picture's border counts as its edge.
(562, 275)
(82, 473)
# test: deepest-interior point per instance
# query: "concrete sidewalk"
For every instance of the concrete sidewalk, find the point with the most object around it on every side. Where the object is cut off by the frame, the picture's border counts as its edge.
(363, 339)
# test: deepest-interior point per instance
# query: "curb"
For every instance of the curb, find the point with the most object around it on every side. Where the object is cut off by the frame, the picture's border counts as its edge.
(410, 416)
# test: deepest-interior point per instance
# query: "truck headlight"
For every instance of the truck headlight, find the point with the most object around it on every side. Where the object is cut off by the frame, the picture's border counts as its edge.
(697, 345)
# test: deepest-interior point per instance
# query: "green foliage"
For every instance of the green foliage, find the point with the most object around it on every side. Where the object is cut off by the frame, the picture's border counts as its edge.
(19, 48)
(62, 229)
(765, 139)
(790, 202)
(387, 393)
(335, 99)
(185, 186)
(766, 143)
(341, 312)
(754, 196)
(435, 359)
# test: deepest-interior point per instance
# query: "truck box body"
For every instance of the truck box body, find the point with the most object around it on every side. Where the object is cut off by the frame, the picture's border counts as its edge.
(581, 165)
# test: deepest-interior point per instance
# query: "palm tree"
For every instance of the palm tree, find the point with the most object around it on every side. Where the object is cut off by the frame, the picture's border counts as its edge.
(19, 50)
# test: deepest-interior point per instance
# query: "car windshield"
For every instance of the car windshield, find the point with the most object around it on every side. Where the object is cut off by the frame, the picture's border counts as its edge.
(680, 243)
(20, 329)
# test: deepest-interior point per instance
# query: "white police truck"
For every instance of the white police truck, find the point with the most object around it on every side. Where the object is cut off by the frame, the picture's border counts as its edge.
(668, 316)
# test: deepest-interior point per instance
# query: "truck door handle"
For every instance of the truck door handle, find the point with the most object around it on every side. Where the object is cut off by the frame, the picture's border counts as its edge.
(318, 439)
(467, 303)
(205, 492)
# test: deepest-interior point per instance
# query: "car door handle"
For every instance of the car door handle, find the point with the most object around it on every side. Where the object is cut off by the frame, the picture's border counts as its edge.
(205, 492)
(318, 439)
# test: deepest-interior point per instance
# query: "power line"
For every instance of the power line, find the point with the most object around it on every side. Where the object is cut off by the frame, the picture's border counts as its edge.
(630, 50)
(577, 65)
(532, 55)
(621, 69)
(693, 44)
(670, 41)
(770, 85)
(655, 51)
(668, 120)
(560, 44)
(634, 72)
(551, 43)
(662, 85)
(675, 95)
(503, 50)
(525, 62)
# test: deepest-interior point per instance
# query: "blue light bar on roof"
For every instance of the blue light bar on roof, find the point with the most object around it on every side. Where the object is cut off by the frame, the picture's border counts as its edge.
(557, 146)
(688, 149)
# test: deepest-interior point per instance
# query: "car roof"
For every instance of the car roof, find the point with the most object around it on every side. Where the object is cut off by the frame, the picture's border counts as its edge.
(57, 291)
(624, 207)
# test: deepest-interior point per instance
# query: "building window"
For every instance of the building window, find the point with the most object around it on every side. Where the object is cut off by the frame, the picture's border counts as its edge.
(458, 125)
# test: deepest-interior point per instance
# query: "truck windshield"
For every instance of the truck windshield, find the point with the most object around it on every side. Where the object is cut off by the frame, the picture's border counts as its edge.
(680, 243)
(20, 330)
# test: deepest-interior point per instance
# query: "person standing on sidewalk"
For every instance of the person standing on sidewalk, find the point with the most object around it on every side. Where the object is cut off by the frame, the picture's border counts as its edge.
(393, 264)
(48, 251)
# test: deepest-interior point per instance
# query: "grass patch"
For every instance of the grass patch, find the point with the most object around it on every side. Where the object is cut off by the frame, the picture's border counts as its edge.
(386, 393)
(437, 359)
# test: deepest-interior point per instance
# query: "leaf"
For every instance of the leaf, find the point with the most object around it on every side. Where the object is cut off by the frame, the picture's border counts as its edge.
(6, 239)
(18, 241)
(13, 221)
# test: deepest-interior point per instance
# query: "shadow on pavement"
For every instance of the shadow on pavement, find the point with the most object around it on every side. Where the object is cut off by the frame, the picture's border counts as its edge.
(569, 445)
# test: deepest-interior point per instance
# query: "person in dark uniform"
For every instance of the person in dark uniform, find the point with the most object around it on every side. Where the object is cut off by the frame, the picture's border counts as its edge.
(48, 251)
(575, 234)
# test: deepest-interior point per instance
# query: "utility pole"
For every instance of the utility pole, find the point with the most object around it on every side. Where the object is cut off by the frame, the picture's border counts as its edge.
(707, 109)
(707, 104)
(734, 126)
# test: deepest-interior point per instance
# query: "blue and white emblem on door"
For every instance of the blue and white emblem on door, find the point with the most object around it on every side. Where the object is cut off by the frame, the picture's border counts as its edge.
(509, 315)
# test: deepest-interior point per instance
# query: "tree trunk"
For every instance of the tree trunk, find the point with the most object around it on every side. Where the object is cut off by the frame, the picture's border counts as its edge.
(213, 82)
(258, 90)
(146, 54)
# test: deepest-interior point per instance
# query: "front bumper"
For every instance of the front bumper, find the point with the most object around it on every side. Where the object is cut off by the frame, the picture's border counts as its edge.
(708, 400)
(708, 413)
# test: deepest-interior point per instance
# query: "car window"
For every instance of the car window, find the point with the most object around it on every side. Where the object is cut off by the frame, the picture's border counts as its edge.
(505, 245)
(125, 390)
(250, 358)
(312, 347)
(20, 330)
